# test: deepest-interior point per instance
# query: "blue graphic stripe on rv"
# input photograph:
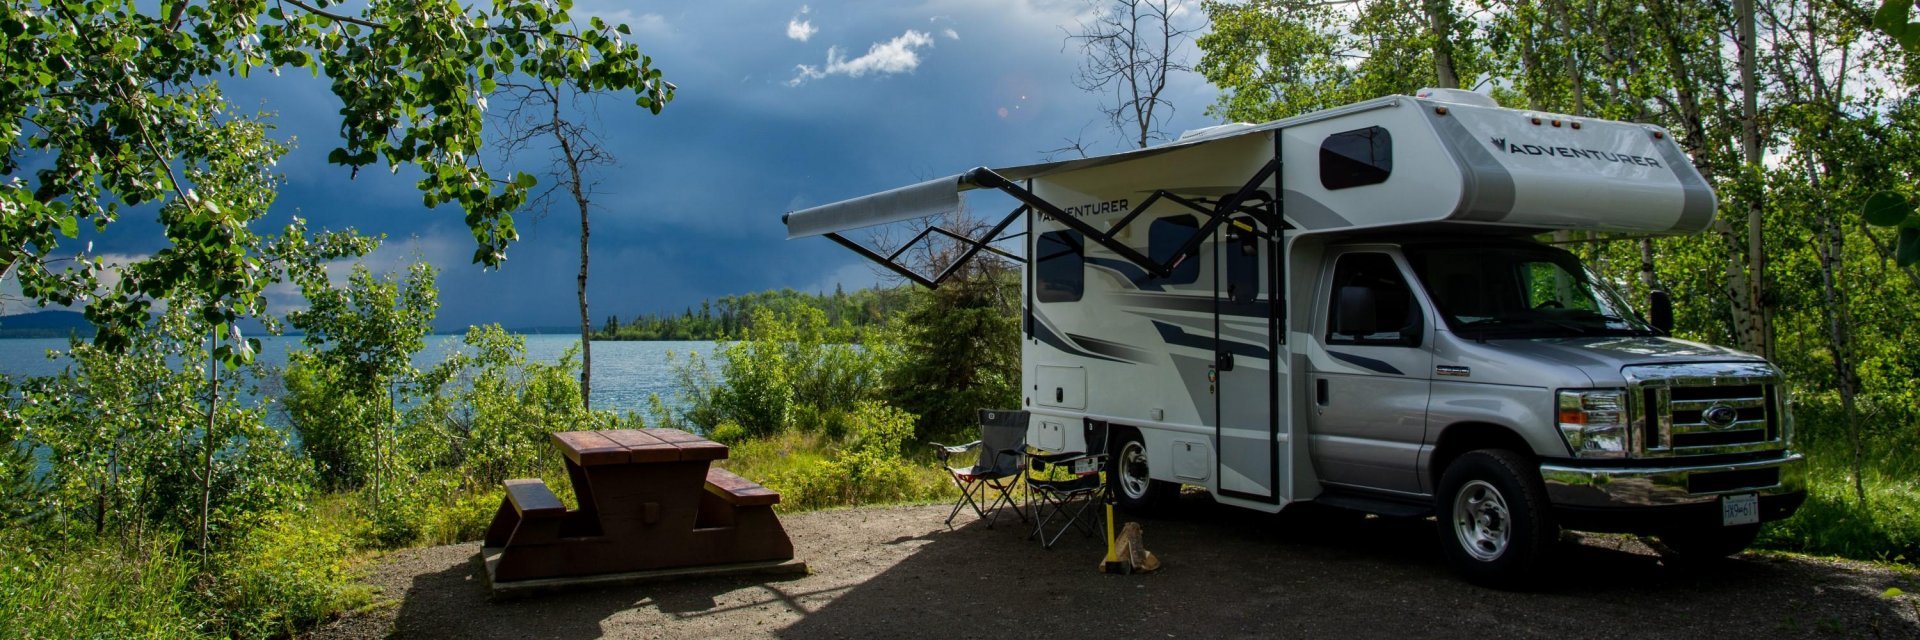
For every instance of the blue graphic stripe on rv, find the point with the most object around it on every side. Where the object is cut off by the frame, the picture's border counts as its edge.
(1132, 272)
(1363, 362)
(1196, 304)
(1177, 336)
(1110, 348)
(1043, 330)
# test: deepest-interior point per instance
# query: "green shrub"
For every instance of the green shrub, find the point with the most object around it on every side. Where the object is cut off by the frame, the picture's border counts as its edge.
(727, 433)
(790, 371)
(106, 588)
(864, 467)
(465, 520)
(285, 575)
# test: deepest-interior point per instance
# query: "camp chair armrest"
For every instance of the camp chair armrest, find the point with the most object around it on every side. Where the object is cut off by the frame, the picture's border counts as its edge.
(943, 451)
(1067, 456)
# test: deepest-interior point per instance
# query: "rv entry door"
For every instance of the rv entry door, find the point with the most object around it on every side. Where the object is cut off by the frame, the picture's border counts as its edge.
(1246, 338)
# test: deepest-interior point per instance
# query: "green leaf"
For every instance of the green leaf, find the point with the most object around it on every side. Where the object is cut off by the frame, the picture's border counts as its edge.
(70, 227)
(1887, 208)
(1906, 250)
(1892, 15)
(525, 180)
(1892, 592)
(1894, 18)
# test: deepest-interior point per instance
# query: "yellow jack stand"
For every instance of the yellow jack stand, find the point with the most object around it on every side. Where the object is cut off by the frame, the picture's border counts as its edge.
(1112, 564)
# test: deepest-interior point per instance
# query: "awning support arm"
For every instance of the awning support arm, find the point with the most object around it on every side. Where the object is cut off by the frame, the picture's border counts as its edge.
(892, 262)
(1218, 214)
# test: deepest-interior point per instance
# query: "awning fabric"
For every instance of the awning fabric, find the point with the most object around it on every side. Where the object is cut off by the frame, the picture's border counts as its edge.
(942, 195)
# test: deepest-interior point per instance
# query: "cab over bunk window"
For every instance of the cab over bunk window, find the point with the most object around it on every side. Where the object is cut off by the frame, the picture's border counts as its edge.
(1356, 158)
(1372, 304)
(1165, 237)
(1058, 272)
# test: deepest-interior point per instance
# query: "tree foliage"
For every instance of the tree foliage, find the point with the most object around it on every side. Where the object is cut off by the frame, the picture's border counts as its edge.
(114, 104)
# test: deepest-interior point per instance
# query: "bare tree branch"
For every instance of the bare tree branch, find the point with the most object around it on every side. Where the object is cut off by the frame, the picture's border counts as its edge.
(1132, 48)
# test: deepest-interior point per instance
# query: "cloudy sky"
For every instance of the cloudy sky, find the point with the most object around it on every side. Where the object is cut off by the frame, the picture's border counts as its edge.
(781, 105)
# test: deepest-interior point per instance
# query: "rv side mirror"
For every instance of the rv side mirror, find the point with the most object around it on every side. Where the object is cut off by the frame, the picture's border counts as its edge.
(1358, 315)
(1660, 311)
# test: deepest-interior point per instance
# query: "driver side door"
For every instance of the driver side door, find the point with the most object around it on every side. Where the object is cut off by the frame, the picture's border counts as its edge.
(1370, 391)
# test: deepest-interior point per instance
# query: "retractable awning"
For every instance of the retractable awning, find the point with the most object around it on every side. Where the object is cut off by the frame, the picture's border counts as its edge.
(942, 195)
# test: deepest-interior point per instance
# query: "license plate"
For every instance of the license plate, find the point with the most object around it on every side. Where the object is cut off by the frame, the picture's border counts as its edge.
(1740, 509)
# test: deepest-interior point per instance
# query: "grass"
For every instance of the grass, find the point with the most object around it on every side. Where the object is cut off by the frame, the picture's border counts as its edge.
(119, 588)
(812, 471)
(292, 571)
(1833, 521)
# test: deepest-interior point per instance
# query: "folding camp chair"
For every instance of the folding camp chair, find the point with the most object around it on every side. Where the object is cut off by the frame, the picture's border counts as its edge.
(1002, 444)
(1057, 481)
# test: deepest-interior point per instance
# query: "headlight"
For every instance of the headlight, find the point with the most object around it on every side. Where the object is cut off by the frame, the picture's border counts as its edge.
(1594, 422)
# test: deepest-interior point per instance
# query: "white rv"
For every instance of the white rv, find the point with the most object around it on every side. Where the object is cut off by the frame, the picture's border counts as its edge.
(1348, 307)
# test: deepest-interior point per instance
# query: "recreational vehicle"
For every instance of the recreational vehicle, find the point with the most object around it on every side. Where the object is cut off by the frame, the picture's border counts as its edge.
(1350, 307)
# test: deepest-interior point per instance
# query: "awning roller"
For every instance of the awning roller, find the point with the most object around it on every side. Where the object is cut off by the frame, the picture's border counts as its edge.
(933, 197)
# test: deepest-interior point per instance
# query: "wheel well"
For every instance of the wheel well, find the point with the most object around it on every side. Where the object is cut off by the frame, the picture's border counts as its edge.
(1460, 438)
(1117, 433)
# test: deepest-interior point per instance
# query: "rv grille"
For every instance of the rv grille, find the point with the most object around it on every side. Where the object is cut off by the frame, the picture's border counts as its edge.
(1705, 409)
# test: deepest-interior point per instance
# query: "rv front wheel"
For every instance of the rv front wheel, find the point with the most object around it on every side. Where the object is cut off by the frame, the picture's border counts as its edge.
(1493, 518)
(1137, 491)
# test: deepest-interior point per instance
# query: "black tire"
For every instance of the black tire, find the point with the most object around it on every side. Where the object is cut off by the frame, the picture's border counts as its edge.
(1707, 544)
(1506, 540)
(1133, 489)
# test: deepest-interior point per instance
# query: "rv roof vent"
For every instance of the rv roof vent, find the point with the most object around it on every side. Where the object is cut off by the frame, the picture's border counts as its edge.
(1456, 96)
(1213, 131)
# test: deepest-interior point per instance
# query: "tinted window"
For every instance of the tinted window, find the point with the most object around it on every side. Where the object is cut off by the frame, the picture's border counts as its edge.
(1057, 268)
(1391, 320)
(1165, 237)
(1520, 291)
(1243, 264)
(1356, 158)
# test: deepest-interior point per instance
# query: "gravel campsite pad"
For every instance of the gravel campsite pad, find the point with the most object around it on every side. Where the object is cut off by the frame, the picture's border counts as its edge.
(896, 572)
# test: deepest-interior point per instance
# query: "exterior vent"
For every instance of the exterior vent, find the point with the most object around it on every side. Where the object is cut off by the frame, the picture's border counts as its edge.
(1456, 96)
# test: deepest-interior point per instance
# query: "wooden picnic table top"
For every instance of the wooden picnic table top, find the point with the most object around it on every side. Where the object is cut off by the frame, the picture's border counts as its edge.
(636, 446)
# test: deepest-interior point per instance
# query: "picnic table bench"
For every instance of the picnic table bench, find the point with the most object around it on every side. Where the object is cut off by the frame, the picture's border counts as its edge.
(650, 507)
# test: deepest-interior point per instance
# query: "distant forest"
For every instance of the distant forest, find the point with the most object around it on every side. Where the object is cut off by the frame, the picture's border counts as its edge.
(728, 316)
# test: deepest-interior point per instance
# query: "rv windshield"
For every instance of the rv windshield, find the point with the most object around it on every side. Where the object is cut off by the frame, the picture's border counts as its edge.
(1517, 291)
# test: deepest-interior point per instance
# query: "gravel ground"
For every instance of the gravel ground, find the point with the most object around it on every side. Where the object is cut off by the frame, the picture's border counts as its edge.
(896, 572)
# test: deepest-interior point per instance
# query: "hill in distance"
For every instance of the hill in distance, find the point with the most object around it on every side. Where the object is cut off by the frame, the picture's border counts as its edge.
(45, 324)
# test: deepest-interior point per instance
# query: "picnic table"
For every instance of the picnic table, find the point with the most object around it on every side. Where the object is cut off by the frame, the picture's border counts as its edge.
(650, 506)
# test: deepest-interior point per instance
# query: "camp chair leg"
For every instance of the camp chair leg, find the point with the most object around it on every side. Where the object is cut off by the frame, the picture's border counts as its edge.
(1074, 521)
(966, 499)
(1005, 499)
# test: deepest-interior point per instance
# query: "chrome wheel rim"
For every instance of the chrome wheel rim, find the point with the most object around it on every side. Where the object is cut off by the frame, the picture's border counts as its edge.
(1133, 470)
(1481, 520)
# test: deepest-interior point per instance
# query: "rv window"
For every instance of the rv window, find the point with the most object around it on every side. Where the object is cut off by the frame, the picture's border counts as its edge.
(1243, 264)
(1165, 237)
(1395, 319)
(1356, 158)
(1057, 271)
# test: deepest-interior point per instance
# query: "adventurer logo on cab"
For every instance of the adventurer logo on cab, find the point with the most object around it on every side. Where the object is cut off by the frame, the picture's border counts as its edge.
(1570, 152)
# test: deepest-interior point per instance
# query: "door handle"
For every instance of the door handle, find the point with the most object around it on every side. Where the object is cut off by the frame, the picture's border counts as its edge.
(1223, 360)
(1320, 392)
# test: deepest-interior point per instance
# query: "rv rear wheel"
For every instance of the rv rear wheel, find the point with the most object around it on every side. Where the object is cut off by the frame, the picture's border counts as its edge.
(1493, 518)
(1135, 488)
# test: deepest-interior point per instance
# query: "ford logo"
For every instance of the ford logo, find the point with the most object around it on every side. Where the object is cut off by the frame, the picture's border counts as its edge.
(1720, 416)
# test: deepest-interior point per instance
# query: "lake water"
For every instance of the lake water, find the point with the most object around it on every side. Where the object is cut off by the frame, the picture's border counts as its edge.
(624, 373)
